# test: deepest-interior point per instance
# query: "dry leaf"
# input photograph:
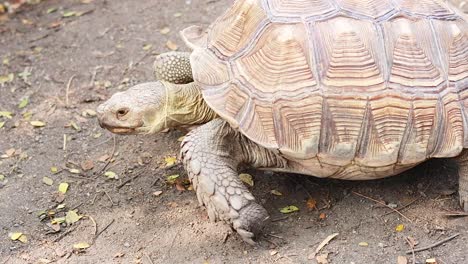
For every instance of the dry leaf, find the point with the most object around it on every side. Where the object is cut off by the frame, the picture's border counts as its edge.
(246, 178)
(165, 30)
(81, 245)
(322, 259)
(172, 178)
(322, 216)
(47, 181)
(311, 203)
(87, 165)
(363, 244)
(275, 192)
(74, 171)
(37, 123)
(171, 45)
(157, 193)
(402, 260)
(431, 261)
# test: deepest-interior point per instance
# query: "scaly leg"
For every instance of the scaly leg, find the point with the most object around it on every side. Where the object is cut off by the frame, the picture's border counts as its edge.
(212, 154)
(173, 67)
(462, 161)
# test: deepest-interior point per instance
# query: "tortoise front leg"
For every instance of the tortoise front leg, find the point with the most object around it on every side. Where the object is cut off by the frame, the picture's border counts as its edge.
(462, 161)
(211, 155)
(173, 67)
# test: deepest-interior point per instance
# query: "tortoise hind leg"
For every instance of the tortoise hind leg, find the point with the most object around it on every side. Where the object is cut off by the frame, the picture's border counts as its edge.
(173, 67)
(462, 161)
(211, 155)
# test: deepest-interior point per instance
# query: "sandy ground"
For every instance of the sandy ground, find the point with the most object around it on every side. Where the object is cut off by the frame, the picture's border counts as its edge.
(66, 66)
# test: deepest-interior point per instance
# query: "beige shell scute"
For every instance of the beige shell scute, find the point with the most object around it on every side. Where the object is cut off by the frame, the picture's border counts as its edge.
(352, 89)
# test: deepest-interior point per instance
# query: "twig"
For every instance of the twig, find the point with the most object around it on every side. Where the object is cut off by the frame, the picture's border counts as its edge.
(104, 229)
(226, 237)
(64, 142)
(7, 259)
(149, 259)
(279, 219)
(325, 242)
(403, 207)
(129, 68)
(275, 236)
(94, 224)
(168, 254)
(383, 204)
(412, 249)
(128, 180)
(64, 234)
(67, 91)
(108, 196)
(110, 158)
(433, 245)
(93, 76)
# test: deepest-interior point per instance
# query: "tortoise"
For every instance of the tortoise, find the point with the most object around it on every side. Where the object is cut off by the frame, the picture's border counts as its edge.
(343, 89)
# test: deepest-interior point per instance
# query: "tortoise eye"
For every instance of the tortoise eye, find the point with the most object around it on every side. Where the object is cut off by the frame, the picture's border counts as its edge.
(122, 112)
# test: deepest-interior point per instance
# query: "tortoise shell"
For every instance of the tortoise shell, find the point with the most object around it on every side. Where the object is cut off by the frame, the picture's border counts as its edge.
(340, 87)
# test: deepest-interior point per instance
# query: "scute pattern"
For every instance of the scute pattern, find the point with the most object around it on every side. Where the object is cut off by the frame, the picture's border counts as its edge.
(352, 89)
(300, 8)
(279, 61)
(370, 8)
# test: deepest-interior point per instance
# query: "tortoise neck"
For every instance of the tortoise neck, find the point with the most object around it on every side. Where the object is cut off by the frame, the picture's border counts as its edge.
(186, 106)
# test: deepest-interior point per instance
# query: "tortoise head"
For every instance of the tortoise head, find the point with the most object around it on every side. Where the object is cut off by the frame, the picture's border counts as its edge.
(142, 109)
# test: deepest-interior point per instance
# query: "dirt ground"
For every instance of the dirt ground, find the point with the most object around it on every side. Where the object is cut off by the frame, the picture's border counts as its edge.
(66, 57)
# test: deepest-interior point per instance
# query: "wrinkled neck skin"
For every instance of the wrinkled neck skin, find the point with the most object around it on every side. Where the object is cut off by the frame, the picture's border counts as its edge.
(184, 108)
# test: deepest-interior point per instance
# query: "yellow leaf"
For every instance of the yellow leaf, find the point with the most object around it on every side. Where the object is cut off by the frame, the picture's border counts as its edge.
(170, 161)
(6, 78)
(23, 239)
(177, 14)
(2, 177)
(72, 217)
(363, 244)
(63, 187)
(15, 236)
(111, 175)
(289, 209)
(2, 124)
(275, 192)
(247, 178)
(74, 171)
(37, 123)
(47, 181)
(81, 245)
(54, 169)
(400, 228)
(6, 114)
(181, 139)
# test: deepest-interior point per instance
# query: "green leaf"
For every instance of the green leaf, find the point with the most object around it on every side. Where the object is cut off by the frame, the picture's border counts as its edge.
(58, 220)
(289, 209)
(23, 103)
(63, 187)
(172, 178)
(47, 181)
(6, 114)
(2, 177)
(72, 217)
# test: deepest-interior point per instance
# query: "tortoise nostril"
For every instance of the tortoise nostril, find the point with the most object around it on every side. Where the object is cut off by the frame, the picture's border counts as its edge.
(122, 112)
